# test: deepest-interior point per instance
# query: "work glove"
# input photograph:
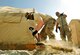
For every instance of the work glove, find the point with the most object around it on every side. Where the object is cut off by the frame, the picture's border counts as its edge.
(56, 30)
(34, 33)
(59, 28)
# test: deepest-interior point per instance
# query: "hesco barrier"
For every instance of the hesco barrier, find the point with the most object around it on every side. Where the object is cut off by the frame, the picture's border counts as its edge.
(75, 30)
(14, 29)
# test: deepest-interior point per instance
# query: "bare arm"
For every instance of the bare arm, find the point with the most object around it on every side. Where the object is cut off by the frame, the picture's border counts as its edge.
(40, 24)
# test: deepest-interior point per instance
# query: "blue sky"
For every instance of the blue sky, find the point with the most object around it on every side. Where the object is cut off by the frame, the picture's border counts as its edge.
(44, 6)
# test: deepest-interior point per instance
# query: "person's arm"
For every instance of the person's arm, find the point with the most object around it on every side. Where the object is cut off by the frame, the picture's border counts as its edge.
(40, 24)
(56, 26)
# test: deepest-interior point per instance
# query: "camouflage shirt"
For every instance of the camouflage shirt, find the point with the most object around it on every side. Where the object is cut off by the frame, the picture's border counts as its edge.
(61, 21)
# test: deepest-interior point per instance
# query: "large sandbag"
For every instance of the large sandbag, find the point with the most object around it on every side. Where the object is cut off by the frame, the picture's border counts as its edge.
(75, 30)
(14, 28)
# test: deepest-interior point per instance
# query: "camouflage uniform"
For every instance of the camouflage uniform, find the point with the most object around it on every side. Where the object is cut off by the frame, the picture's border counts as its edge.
(49, 23)
(48, 27)
(64, 29)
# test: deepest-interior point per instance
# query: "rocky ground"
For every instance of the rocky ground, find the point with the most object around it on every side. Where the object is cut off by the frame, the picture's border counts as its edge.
(52, 47)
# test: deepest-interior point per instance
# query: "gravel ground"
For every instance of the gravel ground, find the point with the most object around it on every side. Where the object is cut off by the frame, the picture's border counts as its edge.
(25, 52)
(47, 51)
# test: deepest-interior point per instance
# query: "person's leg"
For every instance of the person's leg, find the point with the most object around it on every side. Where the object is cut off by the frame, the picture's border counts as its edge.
(50, 34)
(68, 33)
(43, 34)
(49, 28)
(62, 34)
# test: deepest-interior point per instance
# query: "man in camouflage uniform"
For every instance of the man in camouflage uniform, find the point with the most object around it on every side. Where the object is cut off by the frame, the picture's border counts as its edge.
(49, 23)
(63, 27)
(48, 27)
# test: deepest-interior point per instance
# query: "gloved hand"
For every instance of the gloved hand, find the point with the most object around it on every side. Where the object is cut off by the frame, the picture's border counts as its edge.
(34, 33)
(59, 28)
(56, 30)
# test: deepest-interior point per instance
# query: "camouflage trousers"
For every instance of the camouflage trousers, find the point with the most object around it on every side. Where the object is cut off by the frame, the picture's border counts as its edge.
(47, 30)
(65, 32)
